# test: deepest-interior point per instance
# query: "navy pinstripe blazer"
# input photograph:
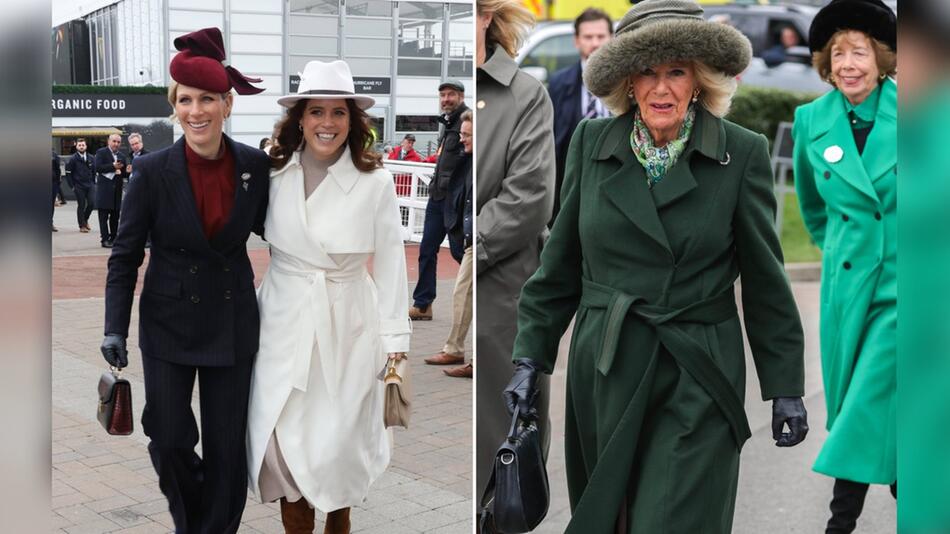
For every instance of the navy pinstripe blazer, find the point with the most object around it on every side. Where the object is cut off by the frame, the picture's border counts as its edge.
(198, 305)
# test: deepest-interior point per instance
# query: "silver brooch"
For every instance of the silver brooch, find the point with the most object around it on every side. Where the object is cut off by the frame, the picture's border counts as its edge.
(727, 160)
(245, 177)
(833, 154)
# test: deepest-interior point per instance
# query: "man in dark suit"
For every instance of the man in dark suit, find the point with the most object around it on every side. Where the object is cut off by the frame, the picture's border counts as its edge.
(198, 317)
(571, 100)
(82, 179)
(110, 171)
(137, 149)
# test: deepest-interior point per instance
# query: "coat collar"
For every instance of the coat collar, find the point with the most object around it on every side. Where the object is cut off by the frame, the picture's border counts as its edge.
(627, 187)
(500, 66)
(344, 173)
(830, 127)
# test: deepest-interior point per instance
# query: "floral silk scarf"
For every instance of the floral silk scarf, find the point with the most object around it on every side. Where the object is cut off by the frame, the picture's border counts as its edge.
(657, 161)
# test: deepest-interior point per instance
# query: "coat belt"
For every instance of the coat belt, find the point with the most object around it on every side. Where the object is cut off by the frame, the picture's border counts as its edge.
(689, 355)
(315, 325)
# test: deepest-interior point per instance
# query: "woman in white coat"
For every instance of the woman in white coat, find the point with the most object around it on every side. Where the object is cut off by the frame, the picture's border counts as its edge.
(315, 424)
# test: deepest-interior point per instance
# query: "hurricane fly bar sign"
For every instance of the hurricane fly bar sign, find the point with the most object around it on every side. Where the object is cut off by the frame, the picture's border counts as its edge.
(109, 105)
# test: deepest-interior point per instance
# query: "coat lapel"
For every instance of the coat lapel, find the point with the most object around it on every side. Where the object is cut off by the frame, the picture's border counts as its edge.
(627, 187)
(709, 139)
(879, 154)
(176, 177)
(832, 129)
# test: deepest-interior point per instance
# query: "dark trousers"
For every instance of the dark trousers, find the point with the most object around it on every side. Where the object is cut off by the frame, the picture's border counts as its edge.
(433, 233)
(205, 495)
(85, 199)
(847, 502)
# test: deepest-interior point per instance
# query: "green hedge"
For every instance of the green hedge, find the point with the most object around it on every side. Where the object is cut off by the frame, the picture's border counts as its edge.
(761, 110)
(109, 89)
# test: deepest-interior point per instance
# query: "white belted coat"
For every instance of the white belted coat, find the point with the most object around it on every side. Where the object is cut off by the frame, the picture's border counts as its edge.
(326, 326)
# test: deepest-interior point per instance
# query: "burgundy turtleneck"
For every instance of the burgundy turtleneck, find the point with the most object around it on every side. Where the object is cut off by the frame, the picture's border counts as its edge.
(212, 183)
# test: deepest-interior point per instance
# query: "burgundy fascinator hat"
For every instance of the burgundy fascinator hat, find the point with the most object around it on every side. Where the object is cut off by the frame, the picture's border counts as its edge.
(201, 63)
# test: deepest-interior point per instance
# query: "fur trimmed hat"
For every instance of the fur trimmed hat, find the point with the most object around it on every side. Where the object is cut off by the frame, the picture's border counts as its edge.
(654, 32)
(872, 17)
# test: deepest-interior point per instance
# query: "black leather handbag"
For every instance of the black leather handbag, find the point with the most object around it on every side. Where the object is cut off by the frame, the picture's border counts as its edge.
(517, 496)
(115, 404)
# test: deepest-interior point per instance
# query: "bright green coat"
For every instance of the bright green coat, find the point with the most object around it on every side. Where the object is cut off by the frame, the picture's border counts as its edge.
(849, 205)
(656, 376)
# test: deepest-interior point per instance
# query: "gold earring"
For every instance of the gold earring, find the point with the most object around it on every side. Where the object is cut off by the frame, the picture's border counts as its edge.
(883, 75)
(696, 96)
(630, 92)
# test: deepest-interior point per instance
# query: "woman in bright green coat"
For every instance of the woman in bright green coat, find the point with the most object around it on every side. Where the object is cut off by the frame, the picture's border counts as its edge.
(846, 178)
(663, 208)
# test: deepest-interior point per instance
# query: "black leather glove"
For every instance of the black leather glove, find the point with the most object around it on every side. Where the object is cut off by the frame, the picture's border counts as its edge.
(789, 410)
(522, 390)
(114, 351)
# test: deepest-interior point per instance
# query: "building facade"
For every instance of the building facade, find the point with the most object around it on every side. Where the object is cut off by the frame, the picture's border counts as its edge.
(398, 52)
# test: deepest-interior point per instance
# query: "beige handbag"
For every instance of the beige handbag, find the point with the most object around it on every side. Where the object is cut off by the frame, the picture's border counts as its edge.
(397, 405)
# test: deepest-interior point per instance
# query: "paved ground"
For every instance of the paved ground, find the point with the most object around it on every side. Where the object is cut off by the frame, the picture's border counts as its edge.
(104, 483)
(778, 492)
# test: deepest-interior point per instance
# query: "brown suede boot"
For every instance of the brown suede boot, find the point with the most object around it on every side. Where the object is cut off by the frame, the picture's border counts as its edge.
(297, 517)
(338, 522)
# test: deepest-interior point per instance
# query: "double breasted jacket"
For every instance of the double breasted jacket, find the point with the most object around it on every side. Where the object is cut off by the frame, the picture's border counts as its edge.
(198, 305)
(656, 376)
(849, 205)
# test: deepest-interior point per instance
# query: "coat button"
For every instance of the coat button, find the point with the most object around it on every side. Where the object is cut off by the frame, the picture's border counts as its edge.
(181, 250)
(847, 265)
(877, 215)
(195, 299)
(227, 294)
(193, 269)
(227, 269)
(844, 217)
(827, 175)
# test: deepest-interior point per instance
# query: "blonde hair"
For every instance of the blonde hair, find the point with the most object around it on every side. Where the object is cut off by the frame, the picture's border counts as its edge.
(885, 58)
(172, 96)
(510, 24)
(716, 90)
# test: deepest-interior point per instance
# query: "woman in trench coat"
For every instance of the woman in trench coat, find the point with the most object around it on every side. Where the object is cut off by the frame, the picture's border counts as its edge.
(514, 199)
(646, 253)
(846, 177)
(315, 427)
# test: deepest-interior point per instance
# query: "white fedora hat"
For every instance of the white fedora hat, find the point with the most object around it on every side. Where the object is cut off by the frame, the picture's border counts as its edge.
(331, 80)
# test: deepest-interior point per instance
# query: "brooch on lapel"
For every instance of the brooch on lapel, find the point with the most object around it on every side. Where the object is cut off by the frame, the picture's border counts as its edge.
(833, 154)
(244, 178)
(480, 104)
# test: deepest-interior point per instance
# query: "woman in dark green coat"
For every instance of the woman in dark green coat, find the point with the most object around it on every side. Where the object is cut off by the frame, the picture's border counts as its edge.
(663, 207)
(846, 178)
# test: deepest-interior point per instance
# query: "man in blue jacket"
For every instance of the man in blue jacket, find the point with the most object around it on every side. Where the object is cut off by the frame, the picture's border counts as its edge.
(81, 177)
(571, 100)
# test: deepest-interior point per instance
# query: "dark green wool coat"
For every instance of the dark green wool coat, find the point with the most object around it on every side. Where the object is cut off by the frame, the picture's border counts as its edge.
(656, 377)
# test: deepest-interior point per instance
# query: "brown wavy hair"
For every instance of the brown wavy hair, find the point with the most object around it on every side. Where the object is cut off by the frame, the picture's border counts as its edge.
(360, 139)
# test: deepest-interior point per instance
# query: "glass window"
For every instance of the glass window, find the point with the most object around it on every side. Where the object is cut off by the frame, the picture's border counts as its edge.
(315, 25)
(321, 7)
(460, 10)
(417, 123)
(419, 67)
(420, 48)
(420, 10)
(553, 54)
(460, 69)
(355, 46)
(369, 27)
(419, 29)
(297, 44)
(360, 66)
(370, 8)
(461, 49)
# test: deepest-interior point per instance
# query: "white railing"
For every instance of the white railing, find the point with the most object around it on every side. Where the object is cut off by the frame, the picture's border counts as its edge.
(412, 192)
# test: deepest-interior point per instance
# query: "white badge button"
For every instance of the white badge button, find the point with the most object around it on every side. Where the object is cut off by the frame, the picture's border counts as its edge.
(833, 154)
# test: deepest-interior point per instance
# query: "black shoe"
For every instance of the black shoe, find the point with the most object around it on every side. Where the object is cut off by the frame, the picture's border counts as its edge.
(107, 244)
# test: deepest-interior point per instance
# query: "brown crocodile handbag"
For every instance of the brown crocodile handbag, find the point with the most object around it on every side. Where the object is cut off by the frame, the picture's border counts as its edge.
(115, 403)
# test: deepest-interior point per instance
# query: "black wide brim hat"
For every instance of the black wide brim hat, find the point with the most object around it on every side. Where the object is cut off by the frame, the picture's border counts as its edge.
(654, 32)
(871, 17)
